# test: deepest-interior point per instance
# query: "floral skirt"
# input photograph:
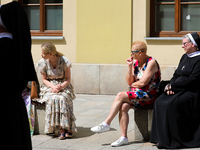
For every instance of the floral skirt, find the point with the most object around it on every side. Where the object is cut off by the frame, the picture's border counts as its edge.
(59, 112)
(59, 108)
(140, 97)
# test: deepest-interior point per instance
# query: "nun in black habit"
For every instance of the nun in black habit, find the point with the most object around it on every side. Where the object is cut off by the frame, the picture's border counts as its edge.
(176, 118)
(16, 70)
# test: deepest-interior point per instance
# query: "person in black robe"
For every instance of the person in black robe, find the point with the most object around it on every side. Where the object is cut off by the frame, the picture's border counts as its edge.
(176, 117)
(16, 70)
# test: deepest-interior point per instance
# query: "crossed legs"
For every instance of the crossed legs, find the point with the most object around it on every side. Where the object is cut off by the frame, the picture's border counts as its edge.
(122, 105)
(121, 98)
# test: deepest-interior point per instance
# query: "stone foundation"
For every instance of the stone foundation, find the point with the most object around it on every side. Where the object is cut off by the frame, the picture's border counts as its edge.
(104, 79)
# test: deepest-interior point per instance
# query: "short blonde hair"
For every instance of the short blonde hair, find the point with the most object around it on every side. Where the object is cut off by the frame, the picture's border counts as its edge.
(140, 46)
(49, 47)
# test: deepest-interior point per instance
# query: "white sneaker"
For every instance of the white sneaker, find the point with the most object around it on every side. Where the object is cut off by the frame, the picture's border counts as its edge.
(121, 141)
(100, 128)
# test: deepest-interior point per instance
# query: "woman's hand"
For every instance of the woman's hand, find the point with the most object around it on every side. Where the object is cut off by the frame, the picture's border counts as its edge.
(59, 87)
(168, 89)
(129, 61)
(56, 88)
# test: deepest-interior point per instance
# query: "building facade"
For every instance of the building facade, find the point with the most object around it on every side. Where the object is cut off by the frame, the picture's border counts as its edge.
(96, 35)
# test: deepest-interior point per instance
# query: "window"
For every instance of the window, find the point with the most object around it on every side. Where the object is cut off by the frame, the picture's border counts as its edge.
(45, 16)
(174, 17)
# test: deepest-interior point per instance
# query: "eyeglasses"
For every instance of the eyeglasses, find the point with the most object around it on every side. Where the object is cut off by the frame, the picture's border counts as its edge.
(185, 43)
(136, 51)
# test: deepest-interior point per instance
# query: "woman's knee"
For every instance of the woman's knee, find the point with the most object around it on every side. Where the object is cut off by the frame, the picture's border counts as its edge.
(121, 96)
(125, 107)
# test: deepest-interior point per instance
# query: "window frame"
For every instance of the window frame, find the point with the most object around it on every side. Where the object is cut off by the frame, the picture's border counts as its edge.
(42, 31)
(177, 20)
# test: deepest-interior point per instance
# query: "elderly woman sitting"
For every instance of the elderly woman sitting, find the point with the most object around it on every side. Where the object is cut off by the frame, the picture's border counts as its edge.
(176, 122)
(143, 77)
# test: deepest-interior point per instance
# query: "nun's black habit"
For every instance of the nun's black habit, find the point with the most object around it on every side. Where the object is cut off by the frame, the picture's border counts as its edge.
(16, 70)
(176, 118)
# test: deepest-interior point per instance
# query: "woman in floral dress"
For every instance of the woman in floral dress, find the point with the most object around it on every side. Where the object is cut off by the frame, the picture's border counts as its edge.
(143, 76)
(57, 91)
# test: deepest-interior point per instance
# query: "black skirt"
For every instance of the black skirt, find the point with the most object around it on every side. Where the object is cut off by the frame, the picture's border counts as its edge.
(176, 121)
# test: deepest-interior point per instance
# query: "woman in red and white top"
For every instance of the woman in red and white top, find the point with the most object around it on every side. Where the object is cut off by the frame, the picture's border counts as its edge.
(143, 77)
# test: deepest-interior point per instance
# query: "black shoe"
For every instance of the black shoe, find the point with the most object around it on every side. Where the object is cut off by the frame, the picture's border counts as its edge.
(159, 146)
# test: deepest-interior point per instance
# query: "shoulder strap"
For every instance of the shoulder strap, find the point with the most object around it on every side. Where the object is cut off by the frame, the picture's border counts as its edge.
(135, 64)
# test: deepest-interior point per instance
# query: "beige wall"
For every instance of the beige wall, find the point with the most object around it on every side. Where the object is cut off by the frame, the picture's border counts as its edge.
(4, 1)
(166, 52)
(103, 31)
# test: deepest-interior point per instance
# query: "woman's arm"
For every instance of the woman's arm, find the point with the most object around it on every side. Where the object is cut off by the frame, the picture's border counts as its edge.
(130, 78)
(184, 82)
(57, 88)
(152, 68)
(168, 88)
(46, 82)
(67, 78)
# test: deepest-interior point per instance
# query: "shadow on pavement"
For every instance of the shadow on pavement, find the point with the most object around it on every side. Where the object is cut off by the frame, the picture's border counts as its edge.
(130, 143)
(85, 132)
(82, 132)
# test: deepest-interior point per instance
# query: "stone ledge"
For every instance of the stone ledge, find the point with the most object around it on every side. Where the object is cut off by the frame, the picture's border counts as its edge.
(104, 79)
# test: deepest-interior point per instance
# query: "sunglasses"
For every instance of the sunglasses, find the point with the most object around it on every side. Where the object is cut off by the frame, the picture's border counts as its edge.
(136, 51)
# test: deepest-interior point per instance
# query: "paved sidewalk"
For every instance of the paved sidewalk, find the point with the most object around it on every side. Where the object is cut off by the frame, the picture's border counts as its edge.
(90, 110)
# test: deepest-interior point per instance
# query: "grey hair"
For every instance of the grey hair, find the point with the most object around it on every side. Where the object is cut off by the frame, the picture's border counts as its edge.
(187, 37)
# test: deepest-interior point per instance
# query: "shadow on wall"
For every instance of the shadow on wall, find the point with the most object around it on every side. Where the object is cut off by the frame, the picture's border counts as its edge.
(164, 42)
(58, 41)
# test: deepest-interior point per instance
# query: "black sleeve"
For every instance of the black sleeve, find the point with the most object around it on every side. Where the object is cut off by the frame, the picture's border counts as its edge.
(175, 75)
(183, 82)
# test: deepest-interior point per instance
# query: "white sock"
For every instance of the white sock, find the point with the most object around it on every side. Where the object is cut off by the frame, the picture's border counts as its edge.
(105, 124)
(124, 138)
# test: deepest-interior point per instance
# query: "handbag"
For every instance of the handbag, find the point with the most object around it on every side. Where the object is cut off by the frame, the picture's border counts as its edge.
(34, 93)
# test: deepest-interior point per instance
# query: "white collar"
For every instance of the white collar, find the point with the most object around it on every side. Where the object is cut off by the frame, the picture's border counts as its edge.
(197, 53)
(6, 34)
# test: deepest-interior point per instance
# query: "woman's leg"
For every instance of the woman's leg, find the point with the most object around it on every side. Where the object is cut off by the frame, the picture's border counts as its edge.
(121, 98)
(62, 133)
(124, 118)
(123, 121)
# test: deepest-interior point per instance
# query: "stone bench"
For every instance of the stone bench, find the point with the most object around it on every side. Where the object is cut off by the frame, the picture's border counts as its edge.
(39, 111)
(142, 117)
(142, 121)
(39, 118)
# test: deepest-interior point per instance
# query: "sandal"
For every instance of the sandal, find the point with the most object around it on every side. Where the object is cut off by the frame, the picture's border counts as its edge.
(68, 134)
(61, 136)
